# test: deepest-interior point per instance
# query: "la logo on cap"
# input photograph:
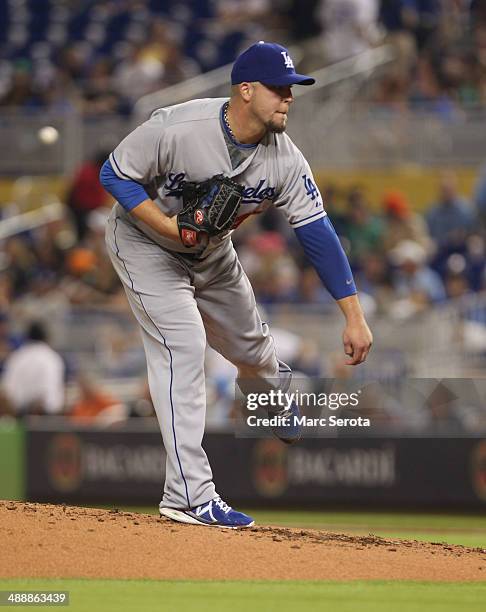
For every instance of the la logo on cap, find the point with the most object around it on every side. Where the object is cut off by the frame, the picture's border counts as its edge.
(287, 59)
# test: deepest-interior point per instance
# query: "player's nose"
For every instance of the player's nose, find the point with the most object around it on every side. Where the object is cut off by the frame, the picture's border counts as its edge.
(288, 96)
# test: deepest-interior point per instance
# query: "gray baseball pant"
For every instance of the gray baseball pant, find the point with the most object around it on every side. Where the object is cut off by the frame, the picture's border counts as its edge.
(180, 305)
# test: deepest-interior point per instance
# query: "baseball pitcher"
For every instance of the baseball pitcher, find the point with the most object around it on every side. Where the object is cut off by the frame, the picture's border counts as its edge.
(183, 181)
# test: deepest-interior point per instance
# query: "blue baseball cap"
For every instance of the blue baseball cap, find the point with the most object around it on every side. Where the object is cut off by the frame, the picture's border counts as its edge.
(267, 63)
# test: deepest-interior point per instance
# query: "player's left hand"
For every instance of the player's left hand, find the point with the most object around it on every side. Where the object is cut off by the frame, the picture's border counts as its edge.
(209, 207)
(357, 341)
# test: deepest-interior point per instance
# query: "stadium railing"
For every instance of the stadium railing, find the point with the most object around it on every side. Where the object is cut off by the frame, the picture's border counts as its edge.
(443, 341)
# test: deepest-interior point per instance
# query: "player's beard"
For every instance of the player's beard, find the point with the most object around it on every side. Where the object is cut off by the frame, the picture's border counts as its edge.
(276, 128)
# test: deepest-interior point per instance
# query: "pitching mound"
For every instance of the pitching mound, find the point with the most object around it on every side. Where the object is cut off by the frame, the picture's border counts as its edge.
(46, 541)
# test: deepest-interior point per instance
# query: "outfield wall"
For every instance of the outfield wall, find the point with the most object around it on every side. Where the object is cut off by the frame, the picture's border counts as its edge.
(127, 467)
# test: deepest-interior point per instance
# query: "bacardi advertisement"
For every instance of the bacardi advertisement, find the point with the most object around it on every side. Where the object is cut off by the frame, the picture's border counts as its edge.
(85, 466)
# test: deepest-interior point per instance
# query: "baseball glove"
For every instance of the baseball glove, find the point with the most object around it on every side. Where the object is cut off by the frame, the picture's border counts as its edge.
(210, 207)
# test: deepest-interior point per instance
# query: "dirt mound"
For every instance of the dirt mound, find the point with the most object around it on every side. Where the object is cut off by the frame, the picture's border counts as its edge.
(46, 541)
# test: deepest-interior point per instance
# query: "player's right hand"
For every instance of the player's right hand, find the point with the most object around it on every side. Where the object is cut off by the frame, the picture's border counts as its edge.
(357, 341)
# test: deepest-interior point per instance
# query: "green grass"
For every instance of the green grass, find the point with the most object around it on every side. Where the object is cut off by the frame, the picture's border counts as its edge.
(375, 519)
(183, 596)
(464, 529)
(468, 530)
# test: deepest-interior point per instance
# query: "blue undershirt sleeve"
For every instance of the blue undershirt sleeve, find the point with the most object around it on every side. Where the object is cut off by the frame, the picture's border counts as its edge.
(323, 249)
(127, 192)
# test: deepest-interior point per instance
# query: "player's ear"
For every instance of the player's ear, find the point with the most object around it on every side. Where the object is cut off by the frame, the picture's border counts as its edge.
(246, 91)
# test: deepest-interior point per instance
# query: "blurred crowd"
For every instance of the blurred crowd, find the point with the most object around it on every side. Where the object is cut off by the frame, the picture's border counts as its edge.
(439, 47)
(100, 57)
(441, 57)
(404, 262)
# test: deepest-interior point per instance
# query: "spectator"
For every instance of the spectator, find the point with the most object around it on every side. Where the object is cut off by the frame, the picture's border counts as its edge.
(480, 196)
(331, 195)
(95, 405)
(159, 62)
(178, 67)
(400, 223)
(99, 97)
(375, 282)
(278, 281)
(33, 378)
(391, 96)
(430, 94)
(21, 263)
(311, 290)
(396, 20)
(416, 284)
(478, 10)
(8, 340)
(6, 288)
(451, 218)
(44, 301)
(456, 285)
(89, 274)
(305, 30)
(445, 412)
(277, 274)
(248, 16)
(86, 193)
(476, 260)
(350, 27)
(424, 18)
(363, 230)
(21, 91)
(137, 75)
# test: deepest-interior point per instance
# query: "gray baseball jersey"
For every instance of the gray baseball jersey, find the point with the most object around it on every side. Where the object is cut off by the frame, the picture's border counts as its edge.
(186, 142)
(181, 302)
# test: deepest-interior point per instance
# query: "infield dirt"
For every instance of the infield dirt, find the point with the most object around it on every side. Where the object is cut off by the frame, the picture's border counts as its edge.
(48, 541)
